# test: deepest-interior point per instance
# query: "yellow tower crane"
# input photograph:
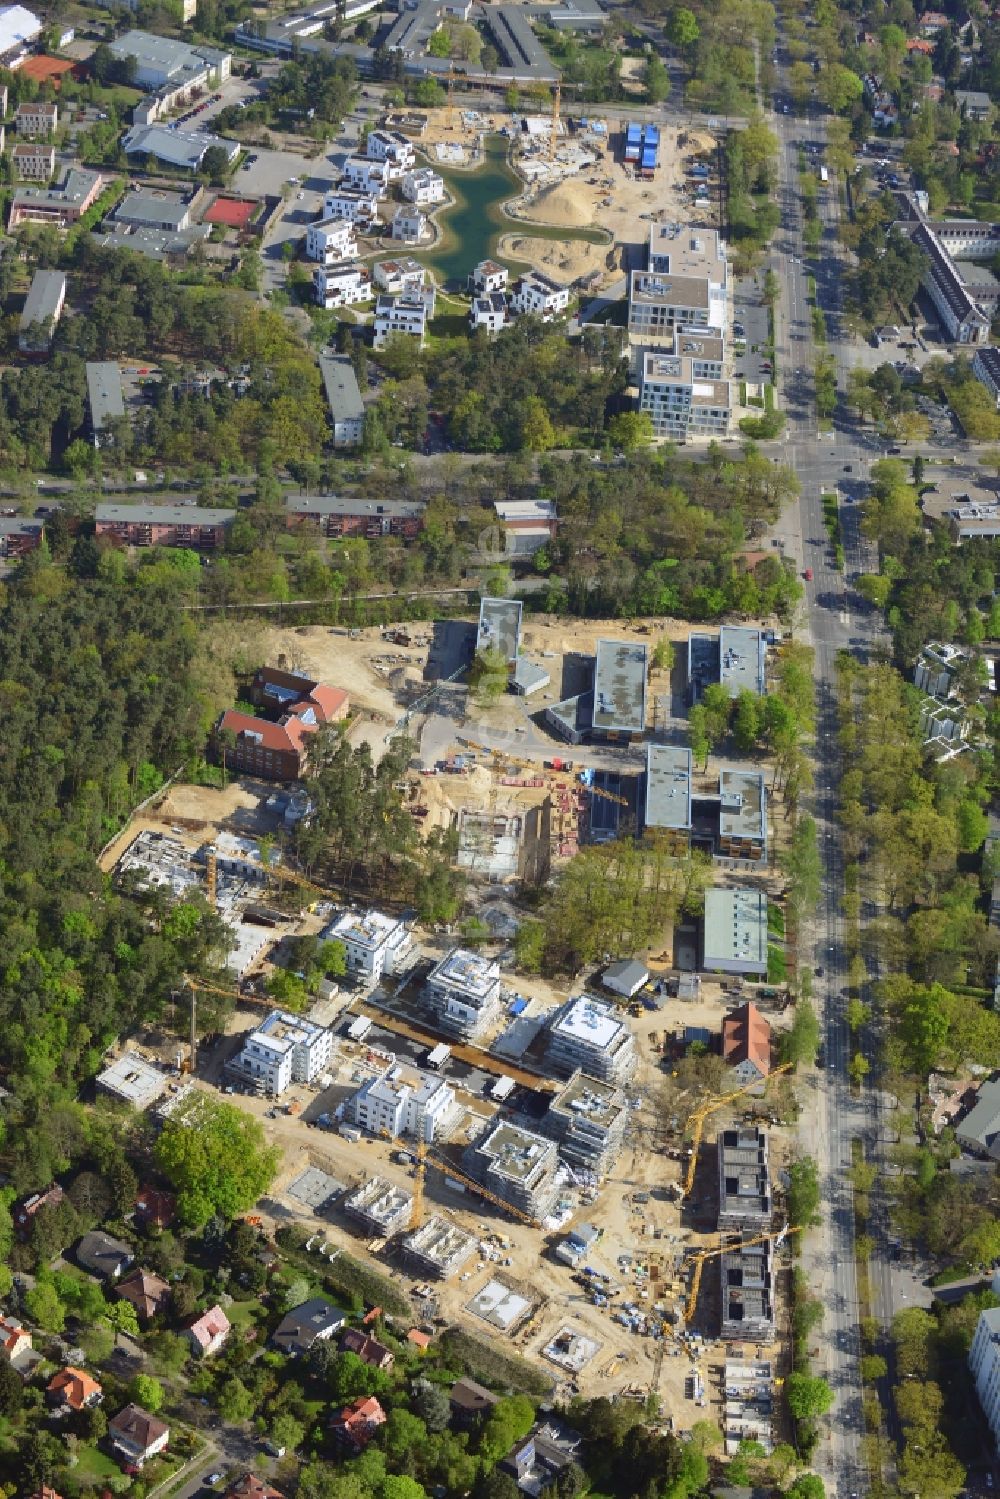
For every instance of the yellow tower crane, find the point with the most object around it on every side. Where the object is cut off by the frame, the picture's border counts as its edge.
(696, 1123)
(501, 756)
(423, 1156)
(556, 102)
(776, 1238)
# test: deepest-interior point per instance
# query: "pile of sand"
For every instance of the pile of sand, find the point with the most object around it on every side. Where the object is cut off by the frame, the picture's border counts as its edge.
(564, 203)
(564, 262)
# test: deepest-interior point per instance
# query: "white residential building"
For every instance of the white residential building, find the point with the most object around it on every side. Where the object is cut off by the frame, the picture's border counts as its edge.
(463, 994)
(392, 148)
(986, 368)
(241, 857)
(402, 274)
(488, 277)
(409, 225)
(423, 187)
(684, 286)
(331, 240)
(408, 314)
(680, 402)
(489, 312)
(592, 1035)
(346, 202)
(387, 1104)
(285, 1049)
(376, 944)
(37, 118)
(984, 1363)
(341, 285)
(366, 175)
(538, 294)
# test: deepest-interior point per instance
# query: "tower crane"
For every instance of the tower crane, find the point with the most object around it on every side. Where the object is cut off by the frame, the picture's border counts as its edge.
(776, 1238)
(696, 1123)
(554, 133)
(500, 756)
(423, 1156)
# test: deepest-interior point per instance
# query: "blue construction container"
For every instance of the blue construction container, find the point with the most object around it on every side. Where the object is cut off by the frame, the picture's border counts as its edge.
(651, 135)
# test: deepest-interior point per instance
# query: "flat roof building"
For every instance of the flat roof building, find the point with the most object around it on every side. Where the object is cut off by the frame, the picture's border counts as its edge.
(587, 1117)
(591, 1035)
(735, 932)
(620, 673)
(337, 515)
(984, 1364)
(105, 399)
(735, 657)
(133, 1080)
(517, 1166)
(742, 814)
(744, 1179)
(500, 627)
(154, 210)
(746, 1273)
(463, 994)
(438, 1247)
(284, 1048)
(343, 397)
(389, 1105)
(375, 943)
(161, 62)
(43, 308)
(183, 149)
(380, 1206)
(666, 800)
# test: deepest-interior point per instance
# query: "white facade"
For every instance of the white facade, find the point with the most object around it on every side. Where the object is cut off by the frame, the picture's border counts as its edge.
(408, 314)
(423, 187)
(679, 403)
(331, 240)
(393, 149)
(375, 943)
(37, 118)
(463, 992)
(403, 274)
(352, 203)
(489, 312)
(409, 225)
(367, 176)
(341, 285)
(241, 857)
(984, 1363)
(535, 293)
(387, 1105)
(488, 277)
(286, 1049)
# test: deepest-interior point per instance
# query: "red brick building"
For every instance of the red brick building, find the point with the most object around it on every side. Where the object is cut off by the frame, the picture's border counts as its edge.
(334, 516)
(274, 744)
(165, 525)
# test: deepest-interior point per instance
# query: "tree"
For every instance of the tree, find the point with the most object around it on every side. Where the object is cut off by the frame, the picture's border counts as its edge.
(873, 1366)
(858, 1068)
(657, 81)
(124, 1319)
(683, 30)
(44, 1307)
(219, 1164)
(214, 164)
(399, 1486)
(807, 1486)
(808, 1396)
(629, 430)
(803, 1192)
(236, 1402)
(662, 658)
(287, 1432)
(537, 432)
(508, 1421)
(432, 1405)
(147, 1392)
(11, 1388)
(839, 88)
(800, 1043)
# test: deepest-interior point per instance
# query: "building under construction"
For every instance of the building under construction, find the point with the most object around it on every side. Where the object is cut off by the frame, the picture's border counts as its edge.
(502, 848)
(592, 1035)
(746, 1274)
(438, 1247)
(744, 1179)
(516, 1166)
(587, 1117)
(379, 1206)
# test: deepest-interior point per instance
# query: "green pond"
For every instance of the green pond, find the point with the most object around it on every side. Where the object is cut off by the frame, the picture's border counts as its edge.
(469, 229)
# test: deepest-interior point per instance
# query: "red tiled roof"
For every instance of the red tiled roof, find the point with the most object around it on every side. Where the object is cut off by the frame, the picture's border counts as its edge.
(369, 1350)
(11, 1333)
(252, 1487)
(286, 738)
(74, 1386)
(418, 1339)
(146, 1291)
(209, 1325)
(746, 1036)
(155, 1207)
(919, 44)
(359, 1420)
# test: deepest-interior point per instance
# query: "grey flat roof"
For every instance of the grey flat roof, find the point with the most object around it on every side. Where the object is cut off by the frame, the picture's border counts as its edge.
(104, 393)
(500, 626)
(620, 686)
(343, 394)
(155, 244)
(529, 676)
(668, 787)
(743, 812)
(742, 654)
(165, 54)
(44, 295)
(179, 148)
(165, 515)
(735, 925)
(152, 208)
(335, 504)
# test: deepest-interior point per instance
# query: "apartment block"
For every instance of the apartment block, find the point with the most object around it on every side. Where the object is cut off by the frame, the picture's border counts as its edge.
(423, 187)
(488, 277)
(684, 286)
(746, 1274)
(346, 202)
(34, 161)
(409, 225)
(401, 274)
(367, 176)
(394, 149)
(439, 1248)
(376, 944)
(37, 118)
(539, 295)
(587, 1118)
(679, 402)
(331, 241)
(744, 1179)
(284, 1049)
(190, 526)
(463, 994)
(334, 516)
(43, 307)
(388, 1105)
(590, 1035)
(343, 398)
(736, 658)
(489, 312)
(517, 1166)
(984, 1365)
(407, 315)
(379, 1206)
(342, 285)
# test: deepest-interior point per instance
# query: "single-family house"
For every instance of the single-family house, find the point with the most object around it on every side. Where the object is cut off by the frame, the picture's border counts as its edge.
(488, 311)
(99, 1254)
(353, 1427)
(342, 285)
(137, 1436)
(401, 274)
(409, 224)
(470, 1402)
(208, 1333)
(147, 1292)
(487, 277)
(314, 1321)
(746, 1043)
(423, 187)
(368, 1349)
(249, 1486)
(14, 1339)
(538, 294)
(75, 1388)
(331, 240)
(155, 1209)
(29, 1207)
(367, 176)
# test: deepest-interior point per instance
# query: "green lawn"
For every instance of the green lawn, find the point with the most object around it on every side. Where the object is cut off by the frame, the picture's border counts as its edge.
(775, 920)
(777, 968)
(93, 1464)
